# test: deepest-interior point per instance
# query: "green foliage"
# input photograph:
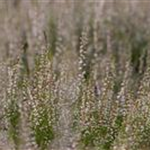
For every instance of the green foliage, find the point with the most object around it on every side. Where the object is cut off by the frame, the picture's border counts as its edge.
(52, 36)
(98, 136)
(42, 128)
(13, 116)
(144, 136)
(101, 136)
(141, 129)
(118, 121)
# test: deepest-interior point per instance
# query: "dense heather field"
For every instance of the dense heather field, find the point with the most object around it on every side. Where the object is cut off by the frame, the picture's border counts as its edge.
(74, 75)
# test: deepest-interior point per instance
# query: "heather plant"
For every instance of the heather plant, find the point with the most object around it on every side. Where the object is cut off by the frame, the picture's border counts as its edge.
(12, 112)
(30, 99)
(74, 75)
(99, 132)
(43, 112)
